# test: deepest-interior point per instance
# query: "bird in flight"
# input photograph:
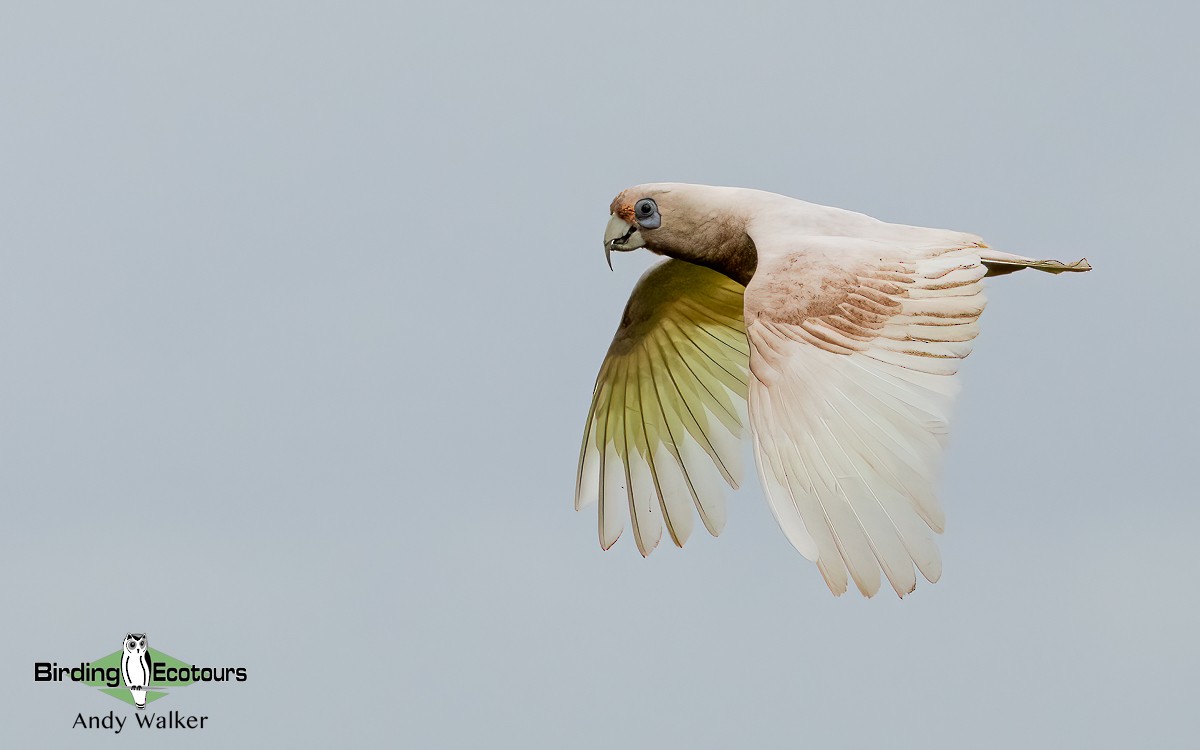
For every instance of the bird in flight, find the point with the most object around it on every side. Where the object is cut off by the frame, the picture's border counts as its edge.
(837, 334)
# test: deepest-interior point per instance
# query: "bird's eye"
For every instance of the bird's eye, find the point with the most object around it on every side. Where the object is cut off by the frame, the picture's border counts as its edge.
(646, 212)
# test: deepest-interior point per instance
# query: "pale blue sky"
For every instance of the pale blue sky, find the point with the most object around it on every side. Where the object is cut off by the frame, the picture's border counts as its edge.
(300, 310)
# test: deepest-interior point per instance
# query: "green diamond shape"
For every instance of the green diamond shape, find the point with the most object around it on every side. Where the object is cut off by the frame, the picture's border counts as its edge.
(122, 693)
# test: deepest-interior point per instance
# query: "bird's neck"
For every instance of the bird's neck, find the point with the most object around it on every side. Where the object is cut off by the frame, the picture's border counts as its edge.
(717, 241)
(736, 259)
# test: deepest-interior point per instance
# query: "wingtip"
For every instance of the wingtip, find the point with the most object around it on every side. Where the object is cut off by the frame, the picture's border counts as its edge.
(837, 584)
(903, 594)
(867, 589)
(678, 537)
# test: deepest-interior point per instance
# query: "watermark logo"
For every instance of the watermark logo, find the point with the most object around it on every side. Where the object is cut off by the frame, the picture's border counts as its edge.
(139, 675)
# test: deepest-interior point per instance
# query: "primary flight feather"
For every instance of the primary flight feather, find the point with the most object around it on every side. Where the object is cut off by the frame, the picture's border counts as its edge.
(836, 334)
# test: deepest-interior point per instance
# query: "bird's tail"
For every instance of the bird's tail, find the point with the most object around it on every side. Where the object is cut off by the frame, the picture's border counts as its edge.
(999, 263)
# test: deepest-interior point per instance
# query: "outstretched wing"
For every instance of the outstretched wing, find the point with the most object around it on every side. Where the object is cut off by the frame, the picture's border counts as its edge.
(666, 419)
(854, 345)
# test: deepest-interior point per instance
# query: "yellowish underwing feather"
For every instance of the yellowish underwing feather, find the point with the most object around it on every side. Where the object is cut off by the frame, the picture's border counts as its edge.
(668, 408)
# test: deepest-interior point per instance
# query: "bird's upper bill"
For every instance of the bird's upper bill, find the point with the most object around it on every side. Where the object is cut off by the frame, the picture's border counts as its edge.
(624, 230)
(621, 235)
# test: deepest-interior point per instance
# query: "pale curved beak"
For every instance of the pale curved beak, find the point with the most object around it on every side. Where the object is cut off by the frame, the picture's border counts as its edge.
(621, 236)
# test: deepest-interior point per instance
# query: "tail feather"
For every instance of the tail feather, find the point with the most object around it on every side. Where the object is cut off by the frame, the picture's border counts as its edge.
(999, 263)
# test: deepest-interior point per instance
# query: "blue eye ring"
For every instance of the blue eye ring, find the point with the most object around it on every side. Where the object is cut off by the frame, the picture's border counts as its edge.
(646, 213)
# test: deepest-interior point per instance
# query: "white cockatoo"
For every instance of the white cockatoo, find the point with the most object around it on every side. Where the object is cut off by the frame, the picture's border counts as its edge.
(842, 332)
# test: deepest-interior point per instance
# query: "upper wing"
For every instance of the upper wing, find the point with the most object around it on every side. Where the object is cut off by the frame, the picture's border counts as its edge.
(853, 347)
(665, 423)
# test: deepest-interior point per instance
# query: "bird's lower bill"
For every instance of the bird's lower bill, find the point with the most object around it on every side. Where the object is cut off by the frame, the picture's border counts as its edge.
(621, 236)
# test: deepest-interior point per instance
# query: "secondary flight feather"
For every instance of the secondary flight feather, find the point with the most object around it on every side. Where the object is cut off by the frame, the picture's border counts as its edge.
(835, 336)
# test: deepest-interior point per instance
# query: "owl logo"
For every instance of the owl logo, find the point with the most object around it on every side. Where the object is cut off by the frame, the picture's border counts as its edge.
(136, 667)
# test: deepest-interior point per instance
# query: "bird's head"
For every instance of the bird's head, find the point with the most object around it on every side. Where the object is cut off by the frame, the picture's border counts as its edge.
(700, 224)
(636, 217)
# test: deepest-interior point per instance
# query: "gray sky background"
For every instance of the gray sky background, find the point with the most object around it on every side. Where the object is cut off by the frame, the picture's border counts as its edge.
(301, 307)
